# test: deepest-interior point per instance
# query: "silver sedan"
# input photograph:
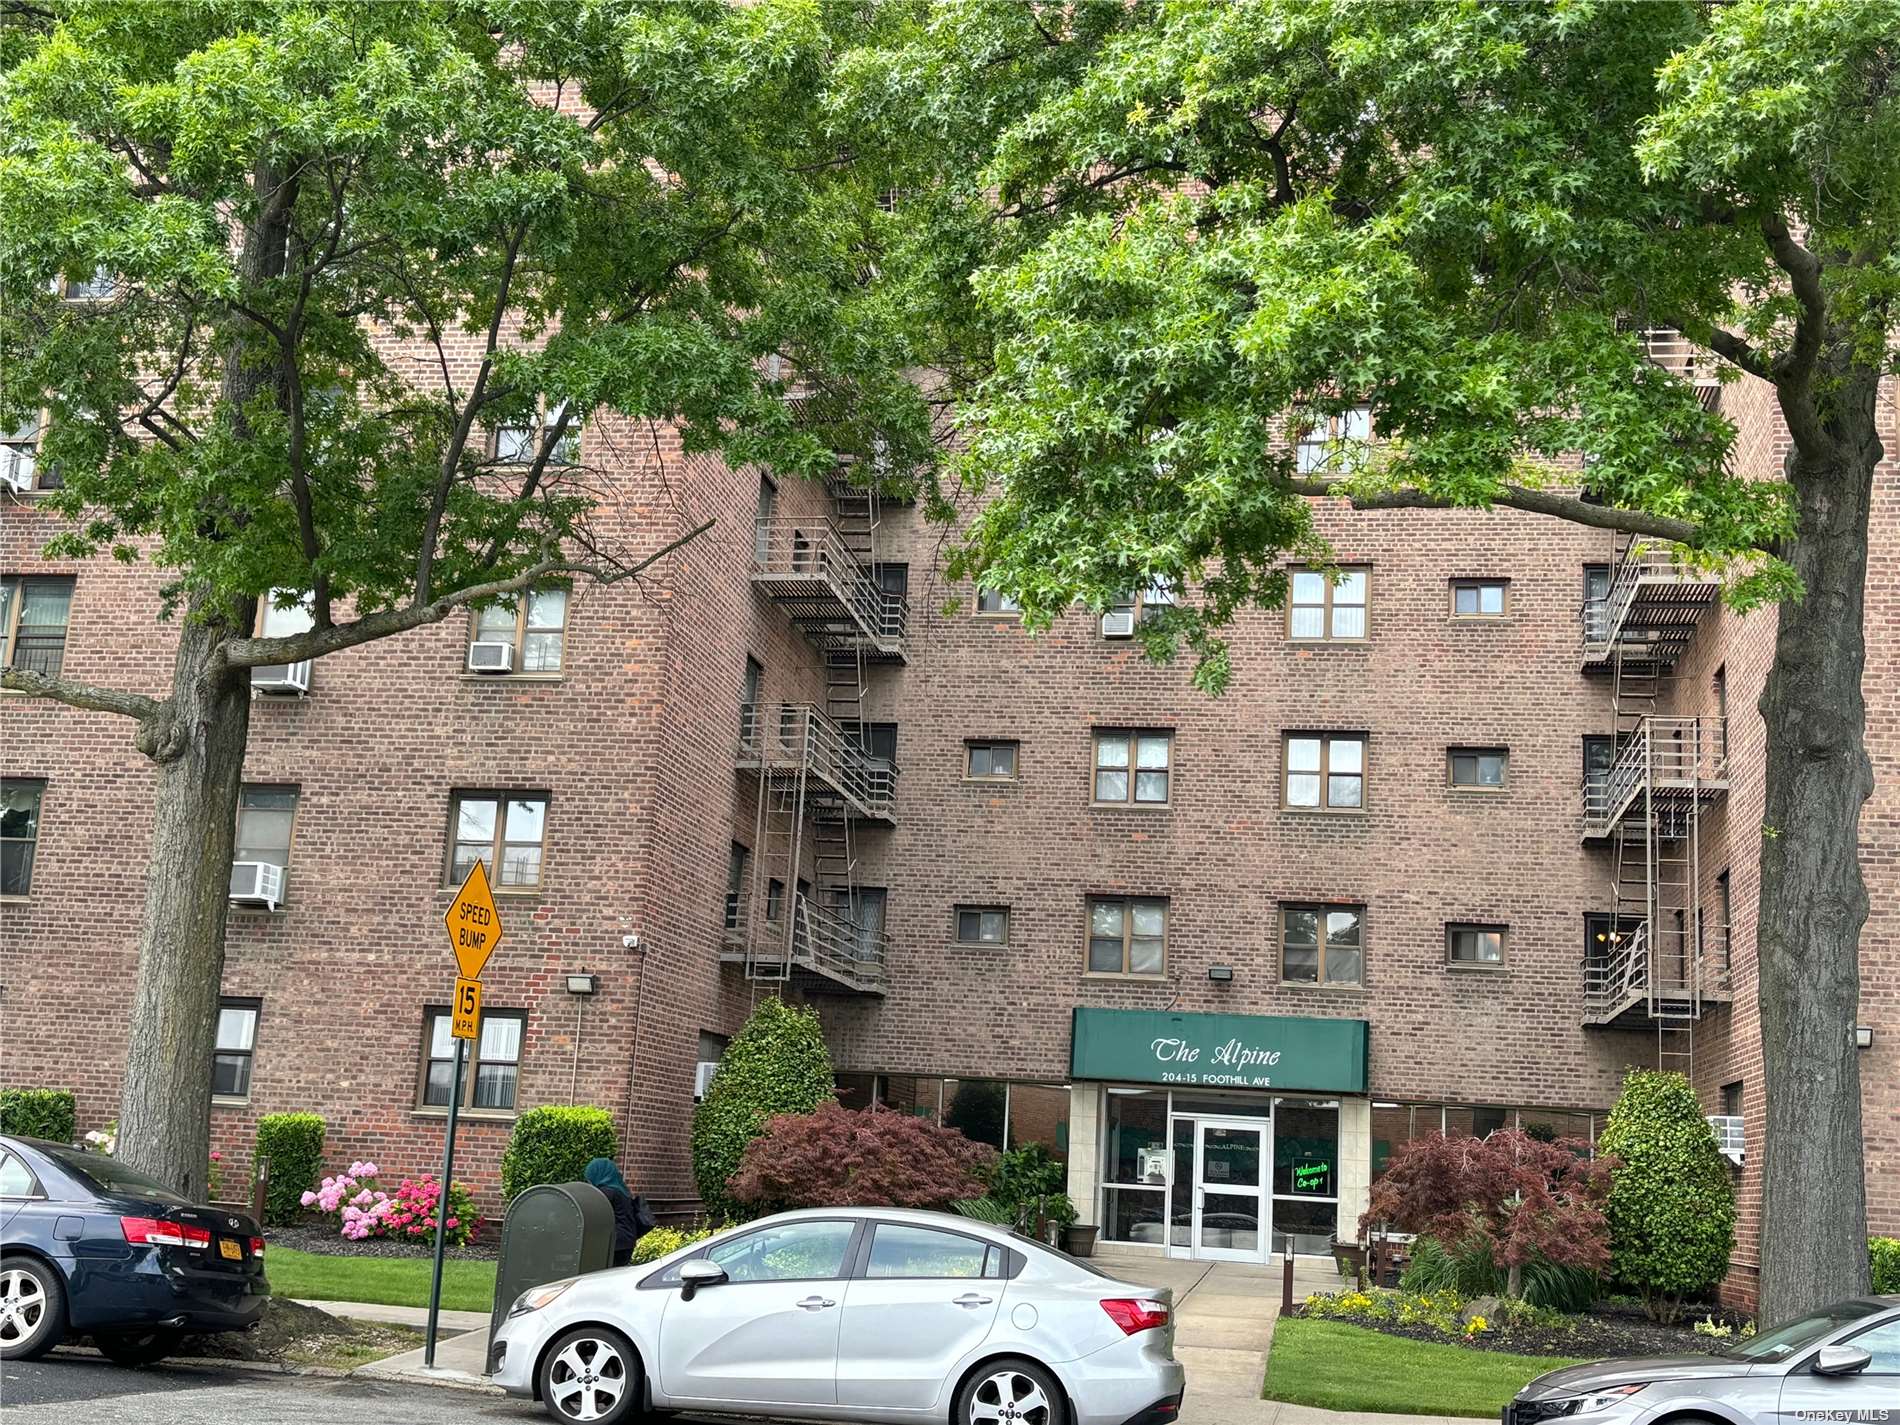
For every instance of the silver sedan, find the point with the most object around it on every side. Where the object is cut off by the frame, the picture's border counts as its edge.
(1840, 1364)
(850, 1314)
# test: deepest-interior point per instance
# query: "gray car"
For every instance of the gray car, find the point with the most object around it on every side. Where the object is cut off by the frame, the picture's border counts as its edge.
(1840, 1364)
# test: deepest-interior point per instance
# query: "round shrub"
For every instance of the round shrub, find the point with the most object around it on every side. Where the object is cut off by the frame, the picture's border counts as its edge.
(660, 1241)
(838, 1157)
(555, 1145)
(38, 1113)
(777, 1064)
(1672, 1201)
(294, 1144)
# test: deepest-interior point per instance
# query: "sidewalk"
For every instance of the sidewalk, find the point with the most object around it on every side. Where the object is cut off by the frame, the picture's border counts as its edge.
(461, 1345)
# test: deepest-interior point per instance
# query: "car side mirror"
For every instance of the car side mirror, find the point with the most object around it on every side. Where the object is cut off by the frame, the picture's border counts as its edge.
(1841, 1360)
(699, 1272)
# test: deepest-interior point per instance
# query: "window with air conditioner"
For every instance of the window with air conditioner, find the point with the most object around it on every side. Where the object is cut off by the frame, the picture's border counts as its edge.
(283, 615)
(260, 862)
(527, 634)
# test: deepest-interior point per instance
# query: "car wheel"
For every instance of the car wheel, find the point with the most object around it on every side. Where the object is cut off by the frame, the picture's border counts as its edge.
(591, 1375)
(32, 1308)
(135, 1348)
(1011, 1392)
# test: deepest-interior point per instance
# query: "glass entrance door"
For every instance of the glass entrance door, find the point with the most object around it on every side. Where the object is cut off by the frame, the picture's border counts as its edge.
(1229, 1221)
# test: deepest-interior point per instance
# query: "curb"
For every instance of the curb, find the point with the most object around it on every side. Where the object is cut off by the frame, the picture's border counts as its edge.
(223, 1363)
(438, 1379)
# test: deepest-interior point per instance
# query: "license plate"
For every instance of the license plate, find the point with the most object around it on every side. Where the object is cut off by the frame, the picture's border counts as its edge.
(228, 1248)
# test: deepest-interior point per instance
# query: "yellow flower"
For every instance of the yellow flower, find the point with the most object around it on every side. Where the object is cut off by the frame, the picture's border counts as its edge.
(1475, 1325)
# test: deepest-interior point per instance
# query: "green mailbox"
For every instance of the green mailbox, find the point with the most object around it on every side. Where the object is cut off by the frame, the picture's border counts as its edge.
(553, 1231)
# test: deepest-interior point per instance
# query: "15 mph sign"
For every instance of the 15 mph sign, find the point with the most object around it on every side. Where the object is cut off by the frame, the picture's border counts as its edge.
(474, 927)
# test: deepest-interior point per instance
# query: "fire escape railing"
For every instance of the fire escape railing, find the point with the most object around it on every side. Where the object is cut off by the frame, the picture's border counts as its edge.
(789, 552)
(1615, 978)
(1603, 618)
(1661, 752)
(784, 735)
(834, 943)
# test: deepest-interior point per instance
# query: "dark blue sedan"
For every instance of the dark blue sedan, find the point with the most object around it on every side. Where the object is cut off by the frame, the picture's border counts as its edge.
(90, 1246)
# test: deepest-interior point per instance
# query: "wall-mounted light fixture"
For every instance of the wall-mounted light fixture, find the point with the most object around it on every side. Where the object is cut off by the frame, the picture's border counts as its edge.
(1863, 1036)
(1220, 974)
(582, 984)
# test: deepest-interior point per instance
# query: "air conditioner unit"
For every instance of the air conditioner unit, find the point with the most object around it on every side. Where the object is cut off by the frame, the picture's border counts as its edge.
(703, 1073)
(491, 658)
(1728, 1135)
(1118, 623)
(257, 883)
(282, 678)
(16, 479)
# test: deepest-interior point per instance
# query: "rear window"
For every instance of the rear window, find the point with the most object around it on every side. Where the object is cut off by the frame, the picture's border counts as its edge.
(102, 1174)
(1064, 1257)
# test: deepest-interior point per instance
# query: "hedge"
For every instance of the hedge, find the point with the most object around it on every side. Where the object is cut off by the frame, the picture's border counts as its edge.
(294, 1144)
(38, 1113)
(776, 1064)
(1884, 1255)
(661, 1241)
(555, 1145)
(1672, 1200)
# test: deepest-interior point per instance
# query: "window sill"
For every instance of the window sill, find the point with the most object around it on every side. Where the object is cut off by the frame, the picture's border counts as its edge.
(1463, 791)
(26, 899)
(448, 893)
(263, 911)
(956, 945)
(1479, 619)
(1310, 986)
(1111, 978)
(1328, 642)
(1459, 967)
(468, 677)
(467, 1115)
(992, 781)
(1349, 813)
(1132, 806)
(221, 1101)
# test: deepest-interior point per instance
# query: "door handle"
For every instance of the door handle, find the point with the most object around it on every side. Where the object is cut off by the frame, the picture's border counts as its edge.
(970, 1298)
(816, 1303)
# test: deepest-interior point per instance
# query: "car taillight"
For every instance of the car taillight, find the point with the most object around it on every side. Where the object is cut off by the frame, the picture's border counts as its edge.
(152, 1232)
(1134, 1315)
(257, 1246)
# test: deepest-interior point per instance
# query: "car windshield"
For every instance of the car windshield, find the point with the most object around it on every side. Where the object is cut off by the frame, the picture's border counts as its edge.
(1798, 1335)
(99, 1172)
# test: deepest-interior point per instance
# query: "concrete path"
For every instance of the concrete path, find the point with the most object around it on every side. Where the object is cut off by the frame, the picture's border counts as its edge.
(416, 1316)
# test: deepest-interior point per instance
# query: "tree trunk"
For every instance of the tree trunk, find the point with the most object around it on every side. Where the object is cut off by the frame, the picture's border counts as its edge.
(165, 1106)
(1813, 901)
(1514, 1281)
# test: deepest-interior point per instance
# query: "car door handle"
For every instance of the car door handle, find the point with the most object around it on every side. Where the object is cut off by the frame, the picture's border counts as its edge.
(816, 1303)
(970, 1298)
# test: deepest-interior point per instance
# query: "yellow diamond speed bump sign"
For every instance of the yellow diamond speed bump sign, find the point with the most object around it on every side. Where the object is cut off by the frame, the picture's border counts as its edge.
(473, 923)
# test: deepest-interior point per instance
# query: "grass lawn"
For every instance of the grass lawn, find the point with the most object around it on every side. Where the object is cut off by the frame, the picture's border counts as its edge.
(390, 1281)
(1341, 1367)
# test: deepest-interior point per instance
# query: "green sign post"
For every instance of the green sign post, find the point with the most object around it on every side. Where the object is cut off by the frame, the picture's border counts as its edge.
(1251, 1051)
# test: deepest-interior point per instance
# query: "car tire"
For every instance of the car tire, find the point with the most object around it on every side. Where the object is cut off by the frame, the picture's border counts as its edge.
(32, 1308)
(591, 1376)
(1011, 1391)
(135, 1348)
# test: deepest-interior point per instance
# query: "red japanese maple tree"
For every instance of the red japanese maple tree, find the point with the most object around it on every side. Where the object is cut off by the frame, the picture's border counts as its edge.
(840, 1157)
(1523, 1199)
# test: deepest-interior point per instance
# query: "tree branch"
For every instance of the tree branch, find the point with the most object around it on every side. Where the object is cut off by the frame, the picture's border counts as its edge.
(1519, 497)
(81, 695)
(255, 652)
(1738, 352)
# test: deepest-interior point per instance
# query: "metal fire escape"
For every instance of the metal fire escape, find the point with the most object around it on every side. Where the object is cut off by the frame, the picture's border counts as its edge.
(819, 787)
(1655, 964)
(1655, 961)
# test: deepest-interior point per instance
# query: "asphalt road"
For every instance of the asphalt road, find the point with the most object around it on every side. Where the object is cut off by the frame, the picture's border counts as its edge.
(80, 1390)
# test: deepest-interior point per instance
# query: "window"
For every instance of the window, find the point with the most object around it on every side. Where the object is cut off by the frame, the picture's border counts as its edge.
(1596, 583)
(1324, 610)
(762, 521)
(988, 601)
(1477, 598)
(1478, 946)
(982, 925)
(33, 617)
(1722, 909)
(1121, 616)
(735, 884)
(775, 900)
(237, 1040)
(1150, 754)
(792, 1251)
(19, 834)
(15, 1178)
(991, 761)
(1326, 770)
(97, 288)
(489, 1076)
(505, 831)
(1322, 944)
(1732, 1099)
(1478, 768)
(520, 443)
(1127, 936)
(265, 815)
(899, 1252)
(1334, 442)
(1721, 713)
(20, 467)
(534, 625)
(862, 908)
(1883, 1344)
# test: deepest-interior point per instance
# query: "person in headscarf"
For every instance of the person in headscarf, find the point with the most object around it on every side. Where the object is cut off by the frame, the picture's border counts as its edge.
(627, 1226)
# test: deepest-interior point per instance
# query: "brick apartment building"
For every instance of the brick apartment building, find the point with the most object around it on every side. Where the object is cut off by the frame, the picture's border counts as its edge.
(1471, 833)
